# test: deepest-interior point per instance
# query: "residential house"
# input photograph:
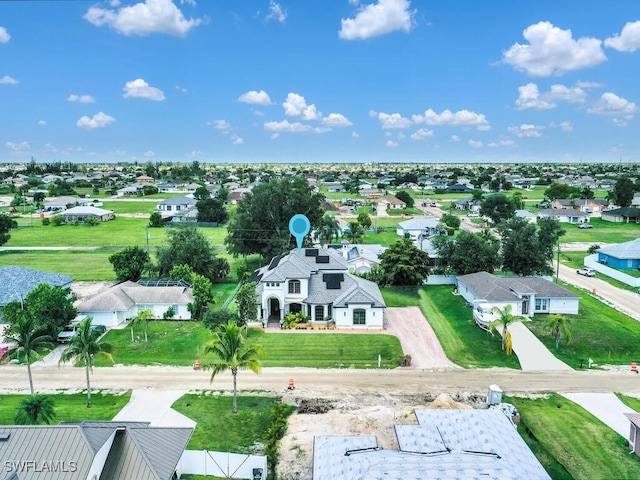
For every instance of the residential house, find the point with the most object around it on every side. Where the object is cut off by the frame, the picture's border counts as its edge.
(236, 195)
(459, 188)
(467, 203)
(92, 450)
(634, 423)
(418, 227)
(526, 295)
(635, 202)
(172, 205)
(360, 258)
(317, 281)
(392, 203)
(564, 215)
(445, 444)
(334, 187)
(586, 205)
(55, 204)
(81, 213)
(622, 215)
(623, 256)
(167, 188)
(130, 190)
(115, 306)
(17, 282)
(145, 180)
(371, 192)
(191, 187)
(527, 215)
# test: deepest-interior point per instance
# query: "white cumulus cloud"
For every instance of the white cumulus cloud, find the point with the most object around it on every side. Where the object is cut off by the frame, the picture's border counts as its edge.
(461, 118)
(149, 153)
(4, 35)
(531, 99)
(7, 80)
(392, 144)
(296, 106)
(382, 17)
(99, 120)
(394, 120)
(81, 98)
(221, 125)
(611, 104)
(422, 134)
(42, 123)
(475, 143)
(628, 40)
(255, 98)
(502, 143)
(143, 18)
(276, 12)
(336, 120)
(138, 88)
(236, 140)
(526, 131)
(17, 147)
(564, 126)
(553, 51)
(285, 126)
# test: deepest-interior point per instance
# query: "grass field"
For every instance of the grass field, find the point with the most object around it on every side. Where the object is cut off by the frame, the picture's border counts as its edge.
(558, 423)
(598, 332)
(181, 343)
(71, 407)
(81, 265)
(123, 206)
(244, 431)
(602, 231)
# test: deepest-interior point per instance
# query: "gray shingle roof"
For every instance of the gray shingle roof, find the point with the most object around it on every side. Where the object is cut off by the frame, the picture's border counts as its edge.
(501, 289)
(624, 251)
(177, 201)
(419, 223)
(124, 295)
(17, 282)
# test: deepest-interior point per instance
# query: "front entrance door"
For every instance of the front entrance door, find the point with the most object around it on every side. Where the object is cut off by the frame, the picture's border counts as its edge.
(525, 306)
(274, 307)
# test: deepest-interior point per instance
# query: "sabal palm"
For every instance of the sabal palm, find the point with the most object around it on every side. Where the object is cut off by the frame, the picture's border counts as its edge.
(84, 347)
(35, 410)
(559, 326)
(26, 339)
(233, 354)
(143, 317)
(505, 319)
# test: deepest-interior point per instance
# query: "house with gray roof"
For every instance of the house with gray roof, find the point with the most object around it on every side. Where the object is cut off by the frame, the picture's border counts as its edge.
(418, 227)
(526, 295)
(175, 204)
(92, 450)
(121, 302)
(446, 444)
(564, 215)
(623, 256)
(361, 258)
(81, 213)
(317, 281)
(622, 215)
(17, 282)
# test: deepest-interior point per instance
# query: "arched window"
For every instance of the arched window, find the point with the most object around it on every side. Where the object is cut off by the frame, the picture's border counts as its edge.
(359, 316)
(294, 286)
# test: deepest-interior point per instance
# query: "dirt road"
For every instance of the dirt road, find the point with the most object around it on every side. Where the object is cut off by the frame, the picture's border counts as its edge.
(317, 382)
(623, 300)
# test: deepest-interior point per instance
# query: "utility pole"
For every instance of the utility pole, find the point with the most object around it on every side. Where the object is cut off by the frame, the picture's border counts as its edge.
(558, 264)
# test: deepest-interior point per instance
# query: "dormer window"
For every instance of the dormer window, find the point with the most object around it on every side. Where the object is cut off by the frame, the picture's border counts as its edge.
(294, 286)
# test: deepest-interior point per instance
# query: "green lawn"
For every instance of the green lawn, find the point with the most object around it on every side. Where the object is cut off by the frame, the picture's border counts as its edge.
(70, 408)
(81, 265)
(602, 231)
(181, 343)
(243, 432)
(464, 343)
(631, 402)
(576, 440)
(124, 206)
(598, 332)
(120, 232)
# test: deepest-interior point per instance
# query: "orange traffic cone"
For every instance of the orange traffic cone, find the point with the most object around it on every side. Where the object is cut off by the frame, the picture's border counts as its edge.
(291, 386)
(634, 367)
(196, 365)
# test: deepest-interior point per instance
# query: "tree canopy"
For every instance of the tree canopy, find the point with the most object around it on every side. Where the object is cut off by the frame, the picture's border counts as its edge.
(211, 210)
(260, 223)
(622, 193)
(406, 198)
(5, 226)
(497, 207)
(404, 264)
(453, 254)
(129, 263)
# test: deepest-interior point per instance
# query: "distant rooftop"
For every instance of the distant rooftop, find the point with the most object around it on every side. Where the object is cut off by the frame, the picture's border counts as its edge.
(17, 282)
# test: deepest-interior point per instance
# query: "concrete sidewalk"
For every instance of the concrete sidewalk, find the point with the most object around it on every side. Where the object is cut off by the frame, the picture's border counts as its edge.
(532, 353)
(606, 407)
(154, 406)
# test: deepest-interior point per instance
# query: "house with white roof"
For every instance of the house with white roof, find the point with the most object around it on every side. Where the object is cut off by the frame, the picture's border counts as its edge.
(392, 203)
(360, 257)
(317, 281)
(81, 213)
(446, 444)
(418, 227)
(564, 215)
(526, 295)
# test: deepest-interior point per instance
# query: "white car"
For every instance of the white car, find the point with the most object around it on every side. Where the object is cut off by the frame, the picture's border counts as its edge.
(473, 214)
(587, 272)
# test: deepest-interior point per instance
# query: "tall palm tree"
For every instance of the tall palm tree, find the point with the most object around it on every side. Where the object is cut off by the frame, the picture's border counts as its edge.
(84, 347)
(35, 410)
(559, 326)
(355, 232)
(26, 338)
(504, 319)
(328, 230)
(143, 317)
(233, 354)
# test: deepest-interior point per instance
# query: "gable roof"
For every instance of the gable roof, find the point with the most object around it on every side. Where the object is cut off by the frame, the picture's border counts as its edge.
(127, 294)
(561, 212)
(80, 210)
(624, 212)
(17, 282)
(623, 251)
(177, 201)
(419, 223)
(493, 288)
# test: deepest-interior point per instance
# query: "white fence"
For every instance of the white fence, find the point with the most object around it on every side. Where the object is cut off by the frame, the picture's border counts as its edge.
(591, 261)
(223, 464)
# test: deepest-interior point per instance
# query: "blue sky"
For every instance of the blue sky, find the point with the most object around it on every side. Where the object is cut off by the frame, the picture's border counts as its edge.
(260, 81)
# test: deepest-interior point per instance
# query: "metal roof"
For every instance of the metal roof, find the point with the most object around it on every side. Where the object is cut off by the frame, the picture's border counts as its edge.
(623, 251)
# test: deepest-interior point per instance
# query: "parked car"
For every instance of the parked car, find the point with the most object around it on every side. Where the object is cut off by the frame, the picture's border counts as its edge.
(585, 225)
(473, 215)
(587, 272)
(67, 332)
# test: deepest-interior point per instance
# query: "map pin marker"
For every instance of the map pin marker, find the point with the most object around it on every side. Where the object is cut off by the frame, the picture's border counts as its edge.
(299, 226)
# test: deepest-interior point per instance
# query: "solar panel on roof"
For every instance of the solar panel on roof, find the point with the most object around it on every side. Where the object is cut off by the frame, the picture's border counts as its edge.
(322, 259)
(274, 263)
(311, 252)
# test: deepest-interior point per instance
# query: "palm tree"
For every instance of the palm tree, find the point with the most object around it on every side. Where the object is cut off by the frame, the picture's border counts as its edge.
(143, 317)
(559, 326)
(26, 338)
(35, 410)
(505, 319)
(355, 232)
(84, 347)
(232, 354)
(328, 230)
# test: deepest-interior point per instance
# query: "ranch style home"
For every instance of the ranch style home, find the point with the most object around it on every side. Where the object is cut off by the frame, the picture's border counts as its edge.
(526, 295)
(317, 281)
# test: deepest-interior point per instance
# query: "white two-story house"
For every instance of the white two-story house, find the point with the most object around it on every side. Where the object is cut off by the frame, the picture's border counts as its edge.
(317, 282)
